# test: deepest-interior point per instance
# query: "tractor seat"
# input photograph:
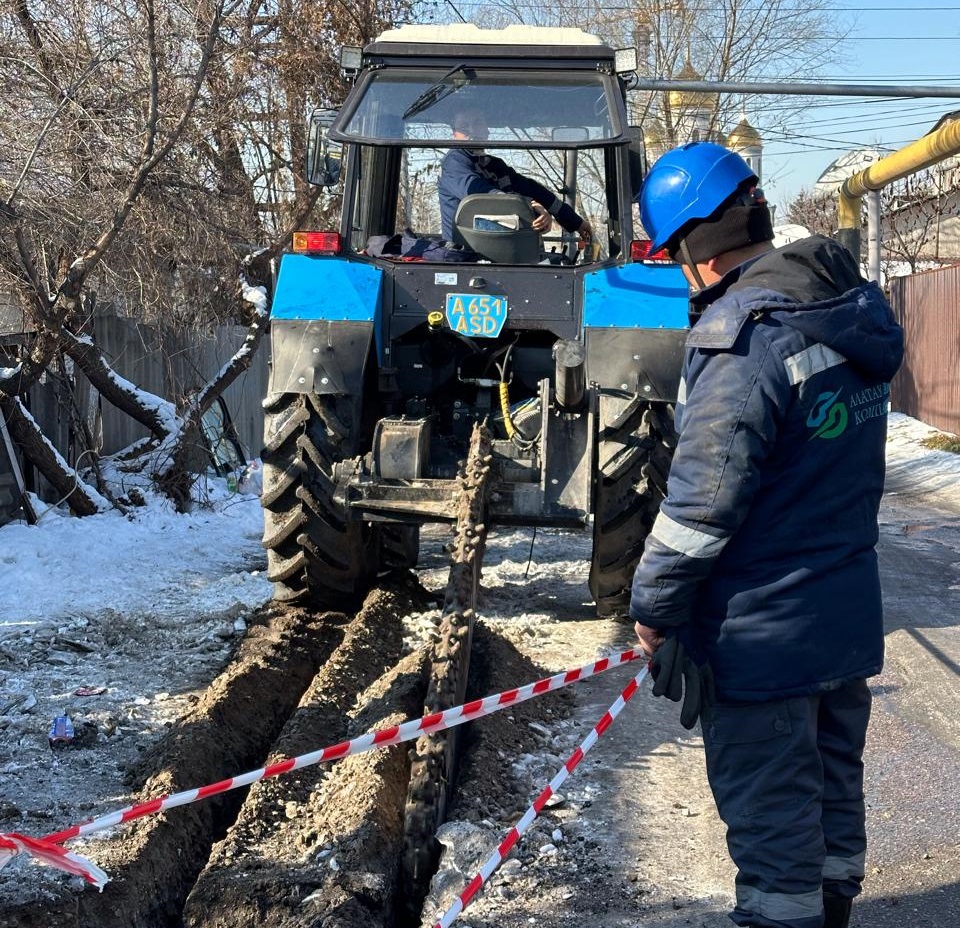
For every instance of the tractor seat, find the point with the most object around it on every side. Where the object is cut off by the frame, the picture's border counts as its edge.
(498, 227)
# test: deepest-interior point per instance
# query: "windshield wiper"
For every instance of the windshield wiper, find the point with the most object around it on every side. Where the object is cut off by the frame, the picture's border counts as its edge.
(436, 92)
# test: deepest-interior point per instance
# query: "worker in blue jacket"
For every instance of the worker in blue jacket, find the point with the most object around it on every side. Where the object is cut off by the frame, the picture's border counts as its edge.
(758, 593)
(464, 171)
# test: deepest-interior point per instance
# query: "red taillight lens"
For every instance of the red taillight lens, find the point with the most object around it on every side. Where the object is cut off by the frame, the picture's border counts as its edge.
(640, 251)
(317, 243)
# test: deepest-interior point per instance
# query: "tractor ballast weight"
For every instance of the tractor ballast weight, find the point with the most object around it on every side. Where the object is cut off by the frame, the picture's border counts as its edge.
(389, 342)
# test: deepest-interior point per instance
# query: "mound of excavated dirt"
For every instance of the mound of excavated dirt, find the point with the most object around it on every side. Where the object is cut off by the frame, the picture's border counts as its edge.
(224, 729)
(300, 841)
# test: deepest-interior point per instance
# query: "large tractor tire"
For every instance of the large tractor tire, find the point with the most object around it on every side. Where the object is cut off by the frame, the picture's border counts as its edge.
(314, 552)
(399, 546)
(634, 450)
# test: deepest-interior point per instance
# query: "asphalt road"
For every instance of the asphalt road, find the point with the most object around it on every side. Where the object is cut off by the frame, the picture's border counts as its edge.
(913, 752)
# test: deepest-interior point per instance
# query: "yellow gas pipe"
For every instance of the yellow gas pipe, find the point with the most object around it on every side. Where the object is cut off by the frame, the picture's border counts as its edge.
(927, 151)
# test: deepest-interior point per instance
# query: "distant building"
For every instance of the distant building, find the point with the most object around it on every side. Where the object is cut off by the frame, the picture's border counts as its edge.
(746, 141)
(690, 116)
(692, 112)
(921, 219)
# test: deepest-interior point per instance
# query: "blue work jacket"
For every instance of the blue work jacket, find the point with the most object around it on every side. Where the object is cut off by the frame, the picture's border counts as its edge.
(464, 171)
(763, 552)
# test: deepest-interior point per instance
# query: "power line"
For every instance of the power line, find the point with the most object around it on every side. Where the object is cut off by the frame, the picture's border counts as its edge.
(708, 7)
(879, 119)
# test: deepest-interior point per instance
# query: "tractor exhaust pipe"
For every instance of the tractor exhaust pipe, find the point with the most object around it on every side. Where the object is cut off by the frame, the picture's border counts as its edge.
(570, 358)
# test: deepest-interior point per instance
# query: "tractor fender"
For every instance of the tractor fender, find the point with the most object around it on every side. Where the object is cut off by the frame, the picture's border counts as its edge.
(318, 356)
(325, 315)
(635, 325)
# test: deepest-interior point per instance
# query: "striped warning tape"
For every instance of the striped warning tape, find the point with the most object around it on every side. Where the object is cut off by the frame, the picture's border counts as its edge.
(47, 850)
(513, 836)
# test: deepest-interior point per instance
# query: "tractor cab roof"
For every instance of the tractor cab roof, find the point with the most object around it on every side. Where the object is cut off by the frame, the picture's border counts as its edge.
(535, 87)
(468, 40)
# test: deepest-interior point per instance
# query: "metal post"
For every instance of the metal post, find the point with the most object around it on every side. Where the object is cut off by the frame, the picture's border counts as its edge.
(570, 196)
(873, 235)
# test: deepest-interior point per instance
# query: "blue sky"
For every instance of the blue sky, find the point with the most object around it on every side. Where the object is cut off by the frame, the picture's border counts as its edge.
(891, 43)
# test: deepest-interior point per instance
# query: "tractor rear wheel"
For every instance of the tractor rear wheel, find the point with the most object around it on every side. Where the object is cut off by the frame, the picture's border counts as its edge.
(399, 546)
(315, 552)
(634, 450)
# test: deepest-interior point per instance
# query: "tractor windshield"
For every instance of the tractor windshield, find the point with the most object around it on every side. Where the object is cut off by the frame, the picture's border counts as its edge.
(416, 106)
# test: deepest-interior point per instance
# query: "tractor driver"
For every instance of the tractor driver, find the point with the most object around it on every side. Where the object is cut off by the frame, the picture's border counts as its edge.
(470, 170)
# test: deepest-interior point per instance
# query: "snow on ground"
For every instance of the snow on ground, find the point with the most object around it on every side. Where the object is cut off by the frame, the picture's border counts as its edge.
(153, 560)
(157, 561)
(913, 468)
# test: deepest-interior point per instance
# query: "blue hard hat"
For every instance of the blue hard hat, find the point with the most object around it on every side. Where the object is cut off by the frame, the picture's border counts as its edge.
(689, 182)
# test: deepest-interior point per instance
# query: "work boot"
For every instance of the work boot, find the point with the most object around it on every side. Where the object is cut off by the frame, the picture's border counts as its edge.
(836, 911)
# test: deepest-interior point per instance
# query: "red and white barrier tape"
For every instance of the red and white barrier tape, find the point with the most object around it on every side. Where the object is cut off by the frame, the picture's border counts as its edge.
(12, 844)
(46, 850)
(497, 857)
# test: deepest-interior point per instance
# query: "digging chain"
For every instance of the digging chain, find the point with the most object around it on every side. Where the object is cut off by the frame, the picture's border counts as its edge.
(434, 756)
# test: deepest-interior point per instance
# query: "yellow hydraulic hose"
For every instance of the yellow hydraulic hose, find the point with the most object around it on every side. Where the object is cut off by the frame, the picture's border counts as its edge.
(505, 409)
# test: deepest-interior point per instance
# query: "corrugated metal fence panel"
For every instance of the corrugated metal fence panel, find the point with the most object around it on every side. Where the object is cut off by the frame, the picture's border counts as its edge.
(244, 397)
(136, 353)
(927, 387)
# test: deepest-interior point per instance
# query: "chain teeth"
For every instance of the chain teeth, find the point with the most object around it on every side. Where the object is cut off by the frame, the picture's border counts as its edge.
(433, 766)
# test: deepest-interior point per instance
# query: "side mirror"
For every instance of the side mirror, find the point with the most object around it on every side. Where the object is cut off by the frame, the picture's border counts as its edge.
(324, 156)
(637, 158)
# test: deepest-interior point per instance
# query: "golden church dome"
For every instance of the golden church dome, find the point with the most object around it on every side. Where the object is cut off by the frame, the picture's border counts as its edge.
(691, 99)
(744, 136)
(654, 133)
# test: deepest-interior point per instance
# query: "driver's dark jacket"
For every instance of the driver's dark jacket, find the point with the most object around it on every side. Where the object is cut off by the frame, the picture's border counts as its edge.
(763, 551)
(464, 171)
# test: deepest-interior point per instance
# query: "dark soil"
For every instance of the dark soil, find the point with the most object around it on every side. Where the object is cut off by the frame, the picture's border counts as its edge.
(280, 863)
(154, 862)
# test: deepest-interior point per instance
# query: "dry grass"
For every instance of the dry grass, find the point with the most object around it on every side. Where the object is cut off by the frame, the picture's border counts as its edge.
(943, 442)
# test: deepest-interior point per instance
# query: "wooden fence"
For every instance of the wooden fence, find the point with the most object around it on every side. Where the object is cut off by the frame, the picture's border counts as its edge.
(168, 364)
(927, 386)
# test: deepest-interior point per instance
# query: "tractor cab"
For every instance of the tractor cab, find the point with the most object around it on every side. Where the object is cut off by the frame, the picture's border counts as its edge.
(551, 112)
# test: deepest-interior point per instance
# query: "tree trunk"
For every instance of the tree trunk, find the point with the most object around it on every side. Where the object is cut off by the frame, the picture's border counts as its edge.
(82, 499)
(176, 479)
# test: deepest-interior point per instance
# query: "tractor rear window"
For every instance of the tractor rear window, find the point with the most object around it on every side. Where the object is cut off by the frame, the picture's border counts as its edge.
(566, 108)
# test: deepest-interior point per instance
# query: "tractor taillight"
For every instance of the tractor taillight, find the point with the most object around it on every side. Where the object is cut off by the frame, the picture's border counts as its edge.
(640, 251)
(317, 243)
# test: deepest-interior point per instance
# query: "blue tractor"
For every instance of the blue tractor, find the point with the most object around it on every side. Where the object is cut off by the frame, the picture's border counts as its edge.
(393, 335)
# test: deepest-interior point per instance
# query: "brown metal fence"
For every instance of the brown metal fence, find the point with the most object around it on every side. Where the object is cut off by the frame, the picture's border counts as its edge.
(927, 387)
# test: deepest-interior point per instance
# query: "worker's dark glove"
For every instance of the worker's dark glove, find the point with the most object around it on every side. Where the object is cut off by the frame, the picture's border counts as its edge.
(677, 677)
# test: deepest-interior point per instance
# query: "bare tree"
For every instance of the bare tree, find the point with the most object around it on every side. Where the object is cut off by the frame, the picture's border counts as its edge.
(914, 212)
(56, 240)
(150, 157)
(815, 211)
(730, 40)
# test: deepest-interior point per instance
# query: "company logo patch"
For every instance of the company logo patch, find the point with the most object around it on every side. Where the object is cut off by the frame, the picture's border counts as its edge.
(828, 416)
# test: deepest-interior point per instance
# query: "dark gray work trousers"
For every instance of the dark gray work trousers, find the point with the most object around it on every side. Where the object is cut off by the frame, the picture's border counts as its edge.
(787, 777)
